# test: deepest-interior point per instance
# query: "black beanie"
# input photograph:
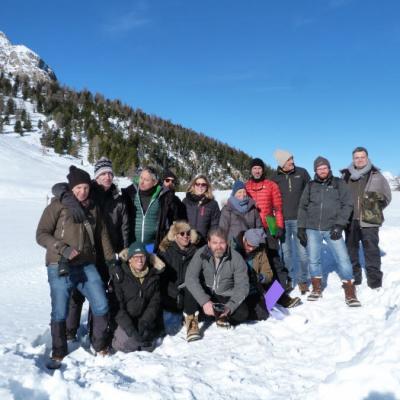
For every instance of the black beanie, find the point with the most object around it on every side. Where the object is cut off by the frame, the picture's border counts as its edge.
(321, 161)
(257, 162)
(167, 173)
(77, 176)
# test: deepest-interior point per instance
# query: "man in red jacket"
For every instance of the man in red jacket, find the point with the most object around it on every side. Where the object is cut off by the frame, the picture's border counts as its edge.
(268, 200)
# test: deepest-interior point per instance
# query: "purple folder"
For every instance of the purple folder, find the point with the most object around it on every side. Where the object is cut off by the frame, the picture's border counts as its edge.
(272, 295)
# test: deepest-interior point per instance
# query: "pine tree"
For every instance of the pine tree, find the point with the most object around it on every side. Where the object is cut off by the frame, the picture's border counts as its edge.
(27, 125)
(10, 110)
(18, 127)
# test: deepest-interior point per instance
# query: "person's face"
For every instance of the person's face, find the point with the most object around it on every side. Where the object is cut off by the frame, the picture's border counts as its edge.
(256, 172)
(217, 246)
(137, 262)
(289, 165)
(322, 172)
(241, 194)
(360, 159)
(105, 180)
(169, 183)
(248, 248)
(200, 186)
(81, 191)
(146, 181)
(183, 238)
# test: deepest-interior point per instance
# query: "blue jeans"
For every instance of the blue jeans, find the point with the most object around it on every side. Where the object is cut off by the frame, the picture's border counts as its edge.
(338, 249)
(291, 247)
(84, 278)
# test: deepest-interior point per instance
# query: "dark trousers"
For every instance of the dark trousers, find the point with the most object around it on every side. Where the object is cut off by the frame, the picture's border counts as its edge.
(369, 238)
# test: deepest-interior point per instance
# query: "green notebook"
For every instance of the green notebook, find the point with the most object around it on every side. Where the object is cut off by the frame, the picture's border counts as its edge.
(271, 222)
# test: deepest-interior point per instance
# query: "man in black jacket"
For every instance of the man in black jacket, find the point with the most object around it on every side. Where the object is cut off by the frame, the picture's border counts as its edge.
(371, 194)
(324, 212)
(292, 180)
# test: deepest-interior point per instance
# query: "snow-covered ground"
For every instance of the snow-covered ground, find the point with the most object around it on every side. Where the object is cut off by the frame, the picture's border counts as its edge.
(322, 350)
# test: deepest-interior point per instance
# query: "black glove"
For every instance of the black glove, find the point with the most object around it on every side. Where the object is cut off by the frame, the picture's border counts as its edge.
(70, 201)
(115, 270)
(279, 233)
(302, 236)
(336, 232)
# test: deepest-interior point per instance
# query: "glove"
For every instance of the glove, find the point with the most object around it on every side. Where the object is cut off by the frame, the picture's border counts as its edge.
(144, 331)
(302, 236)
(336, 232)
(123, 254)
(115, 270)
(279, 233)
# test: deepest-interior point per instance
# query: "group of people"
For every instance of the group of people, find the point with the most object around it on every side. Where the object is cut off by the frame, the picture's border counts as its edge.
(139, 253)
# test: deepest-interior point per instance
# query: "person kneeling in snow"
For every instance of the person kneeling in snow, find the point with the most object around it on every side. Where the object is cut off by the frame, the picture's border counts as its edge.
(137, 287)
(176, 250)
(217, 278)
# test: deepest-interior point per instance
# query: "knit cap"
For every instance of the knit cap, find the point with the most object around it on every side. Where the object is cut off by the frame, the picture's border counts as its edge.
(254, 237)
(237, 186)
(136, 248)
(257, 162)
(102, 165)
(281, 156)
(321, 161)
(77, 176)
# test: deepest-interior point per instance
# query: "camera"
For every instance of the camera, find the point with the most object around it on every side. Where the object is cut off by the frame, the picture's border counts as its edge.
(63, 267)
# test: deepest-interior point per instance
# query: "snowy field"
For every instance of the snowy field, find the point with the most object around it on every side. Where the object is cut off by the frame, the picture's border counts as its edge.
(322, 350)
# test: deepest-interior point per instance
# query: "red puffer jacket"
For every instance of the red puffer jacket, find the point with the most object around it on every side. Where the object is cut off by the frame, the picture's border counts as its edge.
(268, 199)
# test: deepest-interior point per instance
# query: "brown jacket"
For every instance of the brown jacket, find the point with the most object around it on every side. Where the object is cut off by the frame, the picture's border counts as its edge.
(57, 230)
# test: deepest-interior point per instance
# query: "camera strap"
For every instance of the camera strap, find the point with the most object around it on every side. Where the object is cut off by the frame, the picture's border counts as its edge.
(89, 230)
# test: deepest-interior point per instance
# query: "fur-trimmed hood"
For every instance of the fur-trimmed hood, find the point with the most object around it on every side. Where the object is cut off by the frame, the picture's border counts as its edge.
(177, 227)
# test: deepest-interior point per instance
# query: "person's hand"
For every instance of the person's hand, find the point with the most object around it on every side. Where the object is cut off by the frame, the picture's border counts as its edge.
(302, 236)
(226, 312)
(70, 253)
(208, 308)
(336, 232)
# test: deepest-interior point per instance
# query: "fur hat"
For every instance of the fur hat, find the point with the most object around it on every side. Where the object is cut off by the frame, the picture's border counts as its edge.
(281, 156)
(237, 186)
(257, 162)
(176, 228)
(77, 176)
(321, 161)
(255, 237)
(102, 165)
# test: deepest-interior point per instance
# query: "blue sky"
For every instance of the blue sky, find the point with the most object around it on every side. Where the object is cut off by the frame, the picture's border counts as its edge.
(314, 77)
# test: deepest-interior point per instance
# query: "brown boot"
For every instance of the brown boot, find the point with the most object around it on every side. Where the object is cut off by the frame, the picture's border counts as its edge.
(350, 294)
(316, 292)
(303, 287)
(192, 327)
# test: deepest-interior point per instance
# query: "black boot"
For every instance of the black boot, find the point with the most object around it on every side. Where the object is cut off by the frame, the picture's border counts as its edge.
(59, 340)
(100, 332)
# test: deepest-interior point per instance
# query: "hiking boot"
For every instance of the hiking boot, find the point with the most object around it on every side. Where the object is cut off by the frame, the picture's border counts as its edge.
(303, 287)
(350, 294)
(223, 322)
(316, 292)
(289, 302)
(192, 327)
(103, 353)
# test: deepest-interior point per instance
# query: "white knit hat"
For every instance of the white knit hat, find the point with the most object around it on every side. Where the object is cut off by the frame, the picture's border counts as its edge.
(282, 156)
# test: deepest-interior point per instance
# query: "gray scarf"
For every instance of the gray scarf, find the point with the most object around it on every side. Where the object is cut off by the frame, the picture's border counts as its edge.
(357, 174)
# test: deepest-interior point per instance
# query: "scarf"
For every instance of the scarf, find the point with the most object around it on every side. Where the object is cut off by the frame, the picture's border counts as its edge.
(356, 174)
(139, 275)
(241, 206)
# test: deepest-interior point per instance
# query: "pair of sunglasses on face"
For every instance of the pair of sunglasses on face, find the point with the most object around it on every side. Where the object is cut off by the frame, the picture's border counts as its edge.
(186, 233)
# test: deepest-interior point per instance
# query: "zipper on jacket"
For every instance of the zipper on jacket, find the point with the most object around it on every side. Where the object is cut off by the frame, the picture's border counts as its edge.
(322, 204)
(216, 276)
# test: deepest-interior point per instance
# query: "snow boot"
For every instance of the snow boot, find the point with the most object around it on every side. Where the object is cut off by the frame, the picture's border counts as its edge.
(289, 302)
(350, 294)
(59, 340)
(316, 292)
(223, 322)
(303, 287)
(192, 327)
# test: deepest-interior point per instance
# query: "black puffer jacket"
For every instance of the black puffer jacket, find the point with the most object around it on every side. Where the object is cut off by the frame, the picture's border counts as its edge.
(139, 303)
(325, 204)
(202, 214)
(176, 262)
(291, 184)
(169, 212)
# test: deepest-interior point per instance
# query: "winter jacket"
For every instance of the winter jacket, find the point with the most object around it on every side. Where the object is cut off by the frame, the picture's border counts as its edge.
(375, 186)
(229, 279)
(268, 199)
(232, 221)
(325, 204)
(139, 303)
(168, 212)
(173, 277)
(202, 215)
(291, 185)
(57, 231)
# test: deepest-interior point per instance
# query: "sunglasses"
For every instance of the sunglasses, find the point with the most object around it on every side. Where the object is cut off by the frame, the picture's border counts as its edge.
(187, 233)
(169, 180)
(200, 184)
